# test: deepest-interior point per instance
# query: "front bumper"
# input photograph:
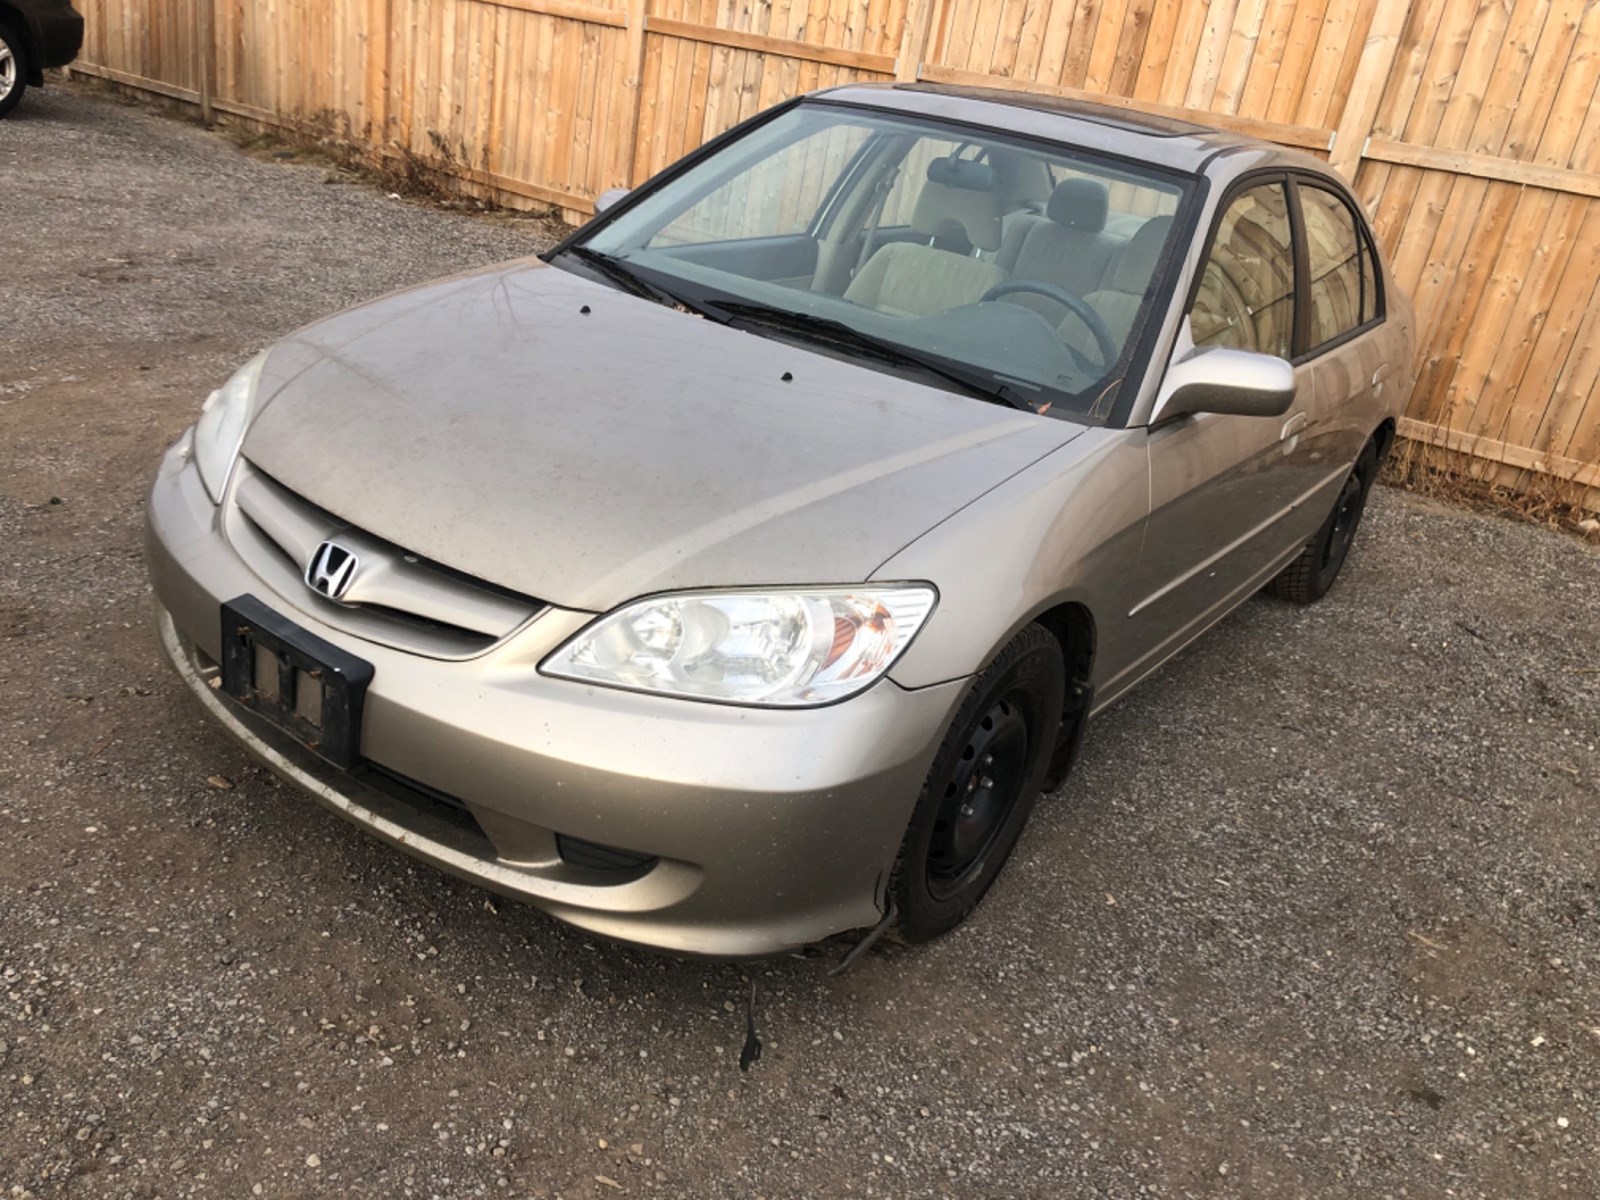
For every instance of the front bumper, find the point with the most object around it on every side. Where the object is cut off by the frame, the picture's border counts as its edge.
(765, 829)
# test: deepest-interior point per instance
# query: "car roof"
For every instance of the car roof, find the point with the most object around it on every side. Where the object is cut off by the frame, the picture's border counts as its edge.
(1160, 140)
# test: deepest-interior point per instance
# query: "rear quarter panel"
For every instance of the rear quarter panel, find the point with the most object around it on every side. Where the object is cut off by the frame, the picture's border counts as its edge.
(1400, 347)
(1390, 354)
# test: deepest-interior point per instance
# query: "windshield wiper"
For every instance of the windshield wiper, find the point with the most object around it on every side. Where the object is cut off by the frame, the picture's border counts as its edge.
(629, 280)
(829, 330)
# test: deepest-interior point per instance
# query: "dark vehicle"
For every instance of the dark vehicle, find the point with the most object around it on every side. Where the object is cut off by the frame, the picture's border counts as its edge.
(34, 34)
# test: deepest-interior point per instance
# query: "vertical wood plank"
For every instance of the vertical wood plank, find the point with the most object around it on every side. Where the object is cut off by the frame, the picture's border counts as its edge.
(624, 134)
(1234, 71)
(1378, 54)
(206, 67)
(914, 40)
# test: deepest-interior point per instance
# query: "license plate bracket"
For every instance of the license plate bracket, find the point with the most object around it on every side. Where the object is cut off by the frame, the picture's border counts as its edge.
(294, 680)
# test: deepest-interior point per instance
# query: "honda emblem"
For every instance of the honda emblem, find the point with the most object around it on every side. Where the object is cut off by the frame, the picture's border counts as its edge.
(332, 570)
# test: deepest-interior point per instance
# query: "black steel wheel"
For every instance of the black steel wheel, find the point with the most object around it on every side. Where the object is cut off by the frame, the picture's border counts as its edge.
(1308, 578)
(980, 791)
(982, 787)
(1342, 525)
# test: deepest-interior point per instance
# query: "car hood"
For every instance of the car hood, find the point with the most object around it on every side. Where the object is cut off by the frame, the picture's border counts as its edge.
(554, 436)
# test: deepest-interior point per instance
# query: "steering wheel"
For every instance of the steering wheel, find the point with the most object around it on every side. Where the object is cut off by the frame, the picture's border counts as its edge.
(1078, 306)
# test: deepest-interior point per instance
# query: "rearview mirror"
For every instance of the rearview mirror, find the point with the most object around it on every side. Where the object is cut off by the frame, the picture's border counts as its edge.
(1238, 382)
(607, 198)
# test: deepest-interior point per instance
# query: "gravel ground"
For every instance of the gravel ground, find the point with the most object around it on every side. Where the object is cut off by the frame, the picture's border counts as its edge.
(1317, 916)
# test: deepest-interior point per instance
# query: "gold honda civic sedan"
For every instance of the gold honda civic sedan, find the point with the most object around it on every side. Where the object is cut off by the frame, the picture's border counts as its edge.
(742, 570)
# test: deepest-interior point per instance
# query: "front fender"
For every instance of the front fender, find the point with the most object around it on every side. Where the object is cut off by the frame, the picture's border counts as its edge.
(1069, 529)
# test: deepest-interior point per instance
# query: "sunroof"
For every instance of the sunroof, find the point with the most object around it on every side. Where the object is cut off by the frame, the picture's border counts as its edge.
(1083, 110)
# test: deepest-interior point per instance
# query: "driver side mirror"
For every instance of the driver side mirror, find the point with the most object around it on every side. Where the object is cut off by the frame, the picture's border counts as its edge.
(1238, 382)
(608, 197)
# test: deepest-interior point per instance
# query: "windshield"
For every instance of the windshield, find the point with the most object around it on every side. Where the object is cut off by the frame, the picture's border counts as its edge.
(1013, 269)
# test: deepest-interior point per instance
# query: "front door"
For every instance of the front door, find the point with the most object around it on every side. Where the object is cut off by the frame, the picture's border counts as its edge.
(1223, 489)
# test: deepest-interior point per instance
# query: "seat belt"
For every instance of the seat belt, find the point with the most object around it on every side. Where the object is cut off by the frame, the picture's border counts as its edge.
(885, 186)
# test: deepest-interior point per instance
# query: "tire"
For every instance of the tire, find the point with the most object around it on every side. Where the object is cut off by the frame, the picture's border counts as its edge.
(13, 69)
(1308, 578)
(981, 789)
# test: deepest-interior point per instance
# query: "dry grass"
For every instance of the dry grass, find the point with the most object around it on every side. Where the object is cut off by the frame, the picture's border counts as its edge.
(1536, 499)
(438, 179)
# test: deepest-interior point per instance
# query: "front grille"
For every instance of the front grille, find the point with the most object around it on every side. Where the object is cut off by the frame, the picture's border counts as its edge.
(622, 866)
(419, 797)
(395, 597)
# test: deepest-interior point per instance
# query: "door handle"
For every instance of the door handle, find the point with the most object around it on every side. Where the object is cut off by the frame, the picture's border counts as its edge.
(1294, 425)
(1378, 377)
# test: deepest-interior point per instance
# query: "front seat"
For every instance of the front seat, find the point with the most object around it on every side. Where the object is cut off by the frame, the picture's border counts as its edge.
(913, 279)
(1127, 280)
(1069, 247)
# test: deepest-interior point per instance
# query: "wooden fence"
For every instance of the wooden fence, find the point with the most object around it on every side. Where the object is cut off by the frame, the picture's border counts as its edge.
(1469, 127)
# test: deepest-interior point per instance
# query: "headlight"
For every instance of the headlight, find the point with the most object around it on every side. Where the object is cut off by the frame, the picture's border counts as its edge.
(789, 648)
(221, 426)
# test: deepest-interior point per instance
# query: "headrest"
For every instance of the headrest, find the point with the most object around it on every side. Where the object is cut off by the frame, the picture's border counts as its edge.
(1136, 262)
(1080, 204)
(965, 173)
(975, 209)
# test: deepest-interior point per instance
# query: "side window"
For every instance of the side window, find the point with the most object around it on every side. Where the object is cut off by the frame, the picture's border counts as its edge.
(1128, 205)
(1338, 265)
(1369, 282)
(1246, 296)
(913, 177)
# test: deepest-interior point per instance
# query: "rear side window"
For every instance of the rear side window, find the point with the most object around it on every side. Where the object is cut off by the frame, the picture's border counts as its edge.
(912, 176)
(1246, 295)
(1341, 289)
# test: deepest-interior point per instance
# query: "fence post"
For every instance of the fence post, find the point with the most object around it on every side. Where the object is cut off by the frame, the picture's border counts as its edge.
(207, 39)
(378, 74)
(914, 39)
(626, 132)
(1366, 91)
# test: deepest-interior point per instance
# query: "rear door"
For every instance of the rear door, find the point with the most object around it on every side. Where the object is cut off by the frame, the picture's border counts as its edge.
(1343, 345)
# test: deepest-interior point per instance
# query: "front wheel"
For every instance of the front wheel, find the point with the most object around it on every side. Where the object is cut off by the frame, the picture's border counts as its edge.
(1308, 578)
(981, 789)
(13, 70)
